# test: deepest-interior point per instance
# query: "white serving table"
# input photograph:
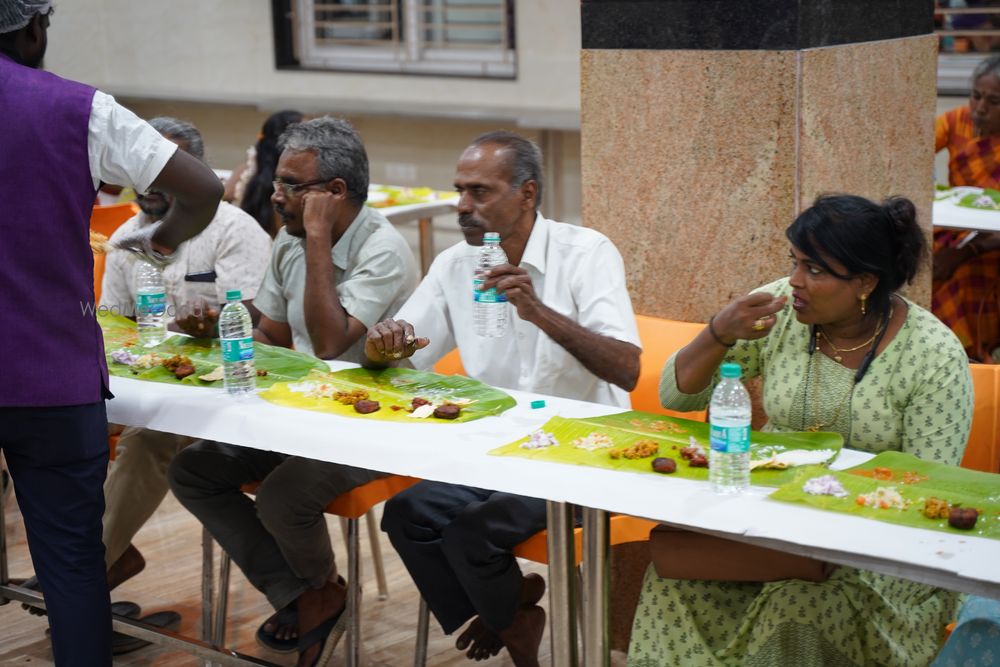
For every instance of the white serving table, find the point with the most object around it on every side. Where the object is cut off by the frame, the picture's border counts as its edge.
(946, 214)
(458, 453)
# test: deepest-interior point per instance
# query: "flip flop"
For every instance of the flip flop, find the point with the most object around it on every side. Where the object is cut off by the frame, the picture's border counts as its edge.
(164, 620)
(31, 583)
(124, 608)
(286, 616)
(327, 634)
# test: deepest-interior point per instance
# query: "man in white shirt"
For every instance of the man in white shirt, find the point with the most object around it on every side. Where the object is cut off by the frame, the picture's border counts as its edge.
(230, 254)
(573, 335)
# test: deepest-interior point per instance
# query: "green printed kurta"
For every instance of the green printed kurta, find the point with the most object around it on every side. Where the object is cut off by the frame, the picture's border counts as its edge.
(916, 398)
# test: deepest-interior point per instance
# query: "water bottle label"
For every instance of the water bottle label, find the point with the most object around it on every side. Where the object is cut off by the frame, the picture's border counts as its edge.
(237, 349)
(486, 296)
(151, 304)
(730, 439)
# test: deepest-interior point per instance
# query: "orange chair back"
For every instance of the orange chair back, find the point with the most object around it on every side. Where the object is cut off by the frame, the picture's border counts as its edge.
(983, 449)
(356, 502)
(99, 259)
(450, 364)
(106, 219)
(622, 529)
(660, 338)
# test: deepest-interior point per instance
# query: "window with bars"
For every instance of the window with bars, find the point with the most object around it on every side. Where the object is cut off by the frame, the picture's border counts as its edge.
(445, 37)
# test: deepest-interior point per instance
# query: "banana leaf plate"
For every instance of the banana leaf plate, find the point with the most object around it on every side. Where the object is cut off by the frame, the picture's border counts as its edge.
(915, 481)
(394, 389)
(669, 435)
(280, 364)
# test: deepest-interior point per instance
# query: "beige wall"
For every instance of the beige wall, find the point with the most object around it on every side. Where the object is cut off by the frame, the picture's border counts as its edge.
(222, 51)
(212, 63)
(716, 168)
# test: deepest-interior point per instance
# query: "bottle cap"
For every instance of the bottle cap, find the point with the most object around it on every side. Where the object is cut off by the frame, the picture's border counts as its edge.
(234, 295)
(491, 237)
(731, 370)
(537, 404)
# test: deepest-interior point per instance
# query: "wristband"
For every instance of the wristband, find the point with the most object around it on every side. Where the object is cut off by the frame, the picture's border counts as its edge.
(711, 330)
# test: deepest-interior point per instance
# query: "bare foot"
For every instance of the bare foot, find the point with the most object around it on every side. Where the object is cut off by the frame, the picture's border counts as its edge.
(524, 635)
(532, 589)
(314, 607)
(129, 564)
(283, 625)
(484, 643)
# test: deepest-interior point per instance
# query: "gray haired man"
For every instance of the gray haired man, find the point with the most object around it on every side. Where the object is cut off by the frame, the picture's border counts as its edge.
(336, 269)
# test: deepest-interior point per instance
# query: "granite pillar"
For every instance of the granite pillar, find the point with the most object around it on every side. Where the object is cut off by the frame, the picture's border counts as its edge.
(707, 125)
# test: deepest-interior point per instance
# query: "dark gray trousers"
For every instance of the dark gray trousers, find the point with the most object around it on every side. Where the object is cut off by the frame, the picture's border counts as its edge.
(457, 542)
(279, 539)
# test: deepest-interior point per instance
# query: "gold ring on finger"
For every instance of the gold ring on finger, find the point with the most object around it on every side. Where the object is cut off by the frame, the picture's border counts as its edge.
(758, 324)
(396, 355)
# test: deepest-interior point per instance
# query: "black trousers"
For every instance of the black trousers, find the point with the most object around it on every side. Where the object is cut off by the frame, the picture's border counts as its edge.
(457, 542)
(58, 459)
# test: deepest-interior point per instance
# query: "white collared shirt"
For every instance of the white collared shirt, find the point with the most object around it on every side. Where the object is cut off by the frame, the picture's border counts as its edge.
(575, 271)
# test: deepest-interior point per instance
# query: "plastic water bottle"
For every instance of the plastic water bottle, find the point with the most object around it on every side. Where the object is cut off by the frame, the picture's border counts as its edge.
(490, 309)
(236, 337)
(150, 304)
(729, 427)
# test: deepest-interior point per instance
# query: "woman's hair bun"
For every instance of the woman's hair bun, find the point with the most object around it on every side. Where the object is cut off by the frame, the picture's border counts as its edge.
(907, 236)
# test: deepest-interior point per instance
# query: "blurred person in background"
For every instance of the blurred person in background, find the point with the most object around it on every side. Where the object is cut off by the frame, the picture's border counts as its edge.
(967, 264)
(250, 185)
(58, 140)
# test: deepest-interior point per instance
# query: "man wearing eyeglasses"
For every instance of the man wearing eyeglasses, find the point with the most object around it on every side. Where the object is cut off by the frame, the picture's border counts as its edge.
(58, 140)
(337, 267)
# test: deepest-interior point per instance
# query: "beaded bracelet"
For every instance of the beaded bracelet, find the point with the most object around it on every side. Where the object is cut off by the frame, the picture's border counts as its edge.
(711, 330)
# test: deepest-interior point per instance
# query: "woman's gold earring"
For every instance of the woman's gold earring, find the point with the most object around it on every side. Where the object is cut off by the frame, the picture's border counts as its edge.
(864, 305)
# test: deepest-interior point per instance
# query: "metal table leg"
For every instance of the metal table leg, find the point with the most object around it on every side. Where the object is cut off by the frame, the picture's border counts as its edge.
(426, 226)
(4, 575)
(207, 594)
(596, 570)
(562, 580)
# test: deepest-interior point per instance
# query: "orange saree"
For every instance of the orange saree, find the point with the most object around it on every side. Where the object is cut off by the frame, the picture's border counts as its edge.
(968, 301)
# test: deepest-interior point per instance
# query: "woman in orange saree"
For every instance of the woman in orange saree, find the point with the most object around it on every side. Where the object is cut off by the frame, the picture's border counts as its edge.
(966, 273)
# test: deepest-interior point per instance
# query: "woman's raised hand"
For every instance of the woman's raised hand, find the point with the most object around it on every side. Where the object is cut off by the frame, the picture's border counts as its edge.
(748, 317)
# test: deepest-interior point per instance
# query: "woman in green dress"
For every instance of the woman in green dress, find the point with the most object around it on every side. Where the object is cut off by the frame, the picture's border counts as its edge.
(838, 350)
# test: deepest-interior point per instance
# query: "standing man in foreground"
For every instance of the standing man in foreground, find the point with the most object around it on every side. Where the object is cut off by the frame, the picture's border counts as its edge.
(574, 335)
(58, 140)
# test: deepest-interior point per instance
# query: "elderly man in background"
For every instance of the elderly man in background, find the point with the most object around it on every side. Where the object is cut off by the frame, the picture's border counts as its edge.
(58, 140)
(231, 253)
(574, 335)
(337, 267)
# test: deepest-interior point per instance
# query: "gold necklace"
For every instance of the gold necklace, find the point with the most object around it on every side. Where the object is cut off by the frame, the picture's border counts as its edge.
(816, 400)
(838, 352)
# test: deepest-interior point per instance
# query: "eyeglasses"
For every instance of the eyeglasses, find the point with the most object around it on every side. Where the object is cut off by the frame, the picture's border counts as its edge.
(288, 189)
